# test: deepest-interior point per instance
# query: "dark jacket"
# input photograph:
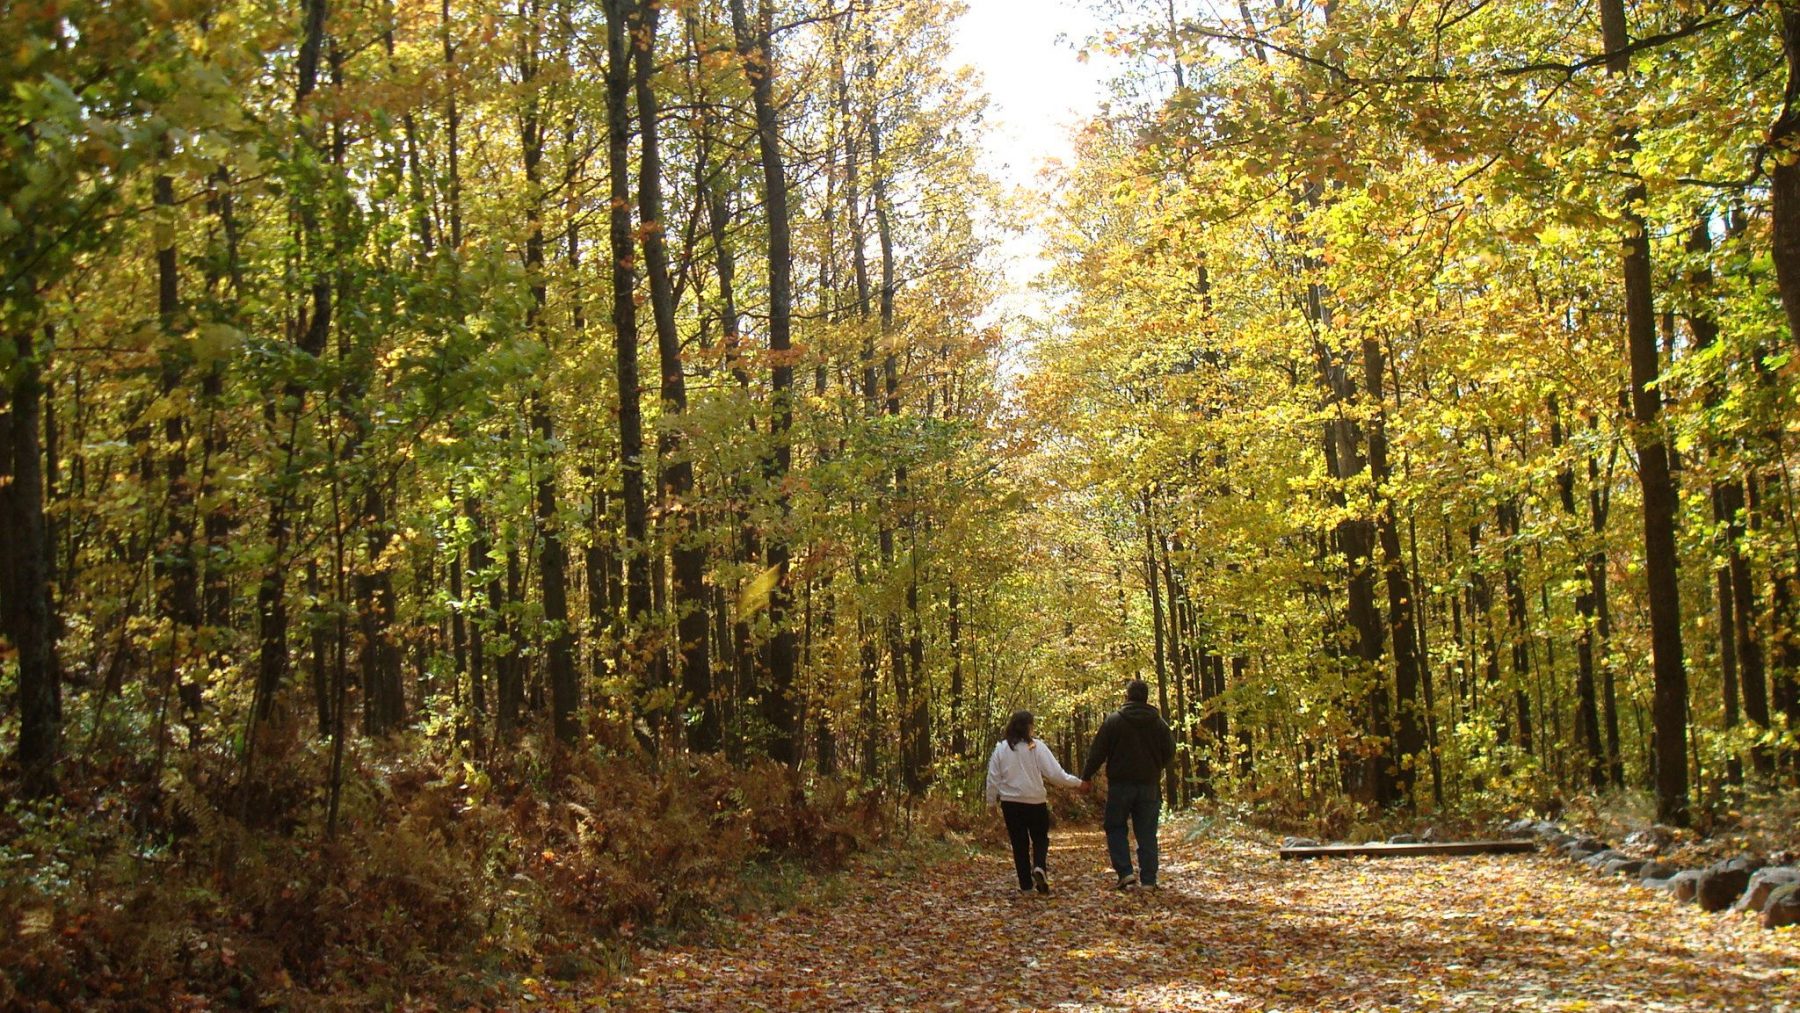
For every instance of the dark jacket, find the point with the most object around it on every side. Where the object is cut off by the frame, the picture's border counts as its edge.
(1135, 744)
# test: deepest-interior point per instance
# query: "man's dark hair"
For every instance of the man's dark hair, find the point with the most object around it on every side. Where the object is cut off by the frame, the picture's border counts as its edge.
(1137, 691)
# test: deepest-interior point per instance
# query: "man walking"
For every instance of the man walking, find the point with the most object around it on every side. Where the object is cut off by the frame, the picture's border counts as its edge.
(1135, 744)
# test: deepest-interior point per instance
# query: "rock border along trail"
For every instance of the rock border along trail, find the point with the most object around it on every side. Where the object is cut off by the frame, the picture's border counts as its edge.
(1234, 928)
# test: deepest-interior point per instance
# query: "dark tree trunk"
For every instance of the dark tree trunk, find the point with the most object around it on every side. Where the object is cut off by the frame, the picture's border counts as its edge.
(510, 684)
(1783, 164)
(1517, 620)
(384, 696)
(1669, 699)
(619, 26)
(480, 565)
(1160, 630)
(1181, 633)
(688, 556)
(959, 737)
(553, 562)
(25, 605)
(1726, 506)
(1587, 709)
(1410, 741)
(311, 329)
(756, 50)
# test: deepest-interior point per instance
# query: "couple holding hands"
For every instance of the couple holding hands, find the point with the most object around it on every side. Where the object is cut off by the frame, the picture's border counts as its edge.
(1133, 743)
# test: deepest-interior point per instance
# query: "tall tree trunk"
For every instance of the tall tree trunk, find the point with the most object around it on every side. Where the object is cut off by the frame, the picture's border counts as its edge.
(619, 26)
(1401, 617)
(1599, 510)
(1705, 329)
(1587, 710)
(688, 555)
(1517, 619)
(756, 51)
(1669, 700)
(553, 561)
(225, 267)
(25, 606)
(1370, 771)
(959, 738)
(1181, 631)
(869, 650)
(481, 565)
(311, 329)
(1783, 164)
(384, 695)
(1160, 628)
(710, 183)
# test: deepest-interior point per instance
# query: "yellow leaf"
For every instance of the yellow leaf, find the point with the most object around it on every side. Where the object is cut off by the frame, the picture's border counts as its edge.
(755, 595)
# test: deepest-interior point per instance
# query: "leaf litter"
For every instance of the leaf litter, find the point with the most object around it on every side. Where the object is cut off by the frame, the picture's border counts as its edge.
(1232, 928)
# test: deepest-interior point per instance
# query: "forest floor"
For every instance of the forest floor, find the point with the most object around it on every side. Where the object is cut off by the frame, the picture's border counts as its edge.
(1233, 928)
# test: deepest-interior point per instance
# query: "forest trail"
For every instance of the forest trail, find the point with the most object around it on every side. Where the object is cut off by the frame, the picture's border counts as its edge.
(1233, 928)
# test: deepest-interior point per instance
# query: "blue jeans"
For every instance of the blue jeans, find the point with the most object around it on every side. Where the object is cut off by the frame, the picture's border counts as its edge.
(1141, 805)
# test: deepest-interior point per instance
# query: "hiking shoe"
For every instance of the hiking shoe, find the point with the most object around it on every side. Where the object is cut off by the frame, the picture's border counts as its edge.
(1040, 879)
(1128, 881)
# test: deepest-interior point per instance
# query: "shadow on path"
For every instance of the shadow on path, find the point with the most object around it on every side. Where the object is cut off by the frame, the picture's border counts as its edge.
(1234, 928)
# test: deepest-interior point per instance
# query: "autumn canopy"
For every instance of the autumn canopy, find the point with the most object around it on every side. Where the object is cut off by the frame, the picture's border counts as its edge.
(480, 480)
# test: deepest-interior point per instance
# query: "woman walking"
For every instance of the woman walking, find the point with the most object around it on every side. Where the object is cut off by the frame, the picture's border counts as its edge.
(1015, 780)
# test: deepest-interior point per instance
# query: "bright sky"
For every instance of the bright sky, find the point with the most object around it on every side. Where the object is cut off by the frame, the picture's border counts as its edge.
(1025, 53)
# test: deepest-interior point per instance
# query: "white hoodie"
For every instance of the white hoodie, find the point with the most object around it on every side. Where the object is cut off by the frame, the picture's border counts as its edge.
(1017, 773)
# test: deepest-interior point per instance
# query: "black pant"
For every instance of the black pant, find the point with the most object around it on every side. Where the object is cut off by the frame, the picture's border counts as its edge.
(1028, 827)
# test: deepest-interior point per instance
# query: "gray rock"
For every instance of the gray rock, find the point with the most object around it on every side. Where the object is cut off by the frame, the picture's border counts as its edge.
(1721, 884)
(1764, 882)
(1403, 839)
(1656, 870)
(1783, 907)
(1600, 858)
(1652, 840)
(1655, 883)
(1299, 842)
(1622, 867)
(1545, 828)
(1520, 828)
(1587, 844)
(1684, 883)
(1579, 856)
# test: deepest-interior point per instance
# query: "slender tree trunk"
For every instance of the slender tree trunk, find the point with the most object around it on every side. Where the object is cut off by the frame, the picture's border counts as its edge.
(1783, 165)
(553, 563)
(1705, 329)
(688, 556)
(1517, 619)
(481, 564)
(25, 606)
(619, 26)
(311, 330)
(756, 51)
(1401, 617)
(1180, 634)
(1159, 627)
(1669, 703)
(1586, 703)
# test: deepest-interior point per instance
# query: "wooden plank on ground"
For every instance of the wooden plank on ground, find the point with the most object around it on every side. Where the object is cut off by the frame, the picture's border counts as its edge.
(1382, 849)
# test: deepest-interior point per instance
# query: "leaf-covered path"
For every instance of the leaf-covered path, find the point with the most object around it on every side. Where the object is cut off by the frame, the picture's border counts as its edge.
(1234, 929)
